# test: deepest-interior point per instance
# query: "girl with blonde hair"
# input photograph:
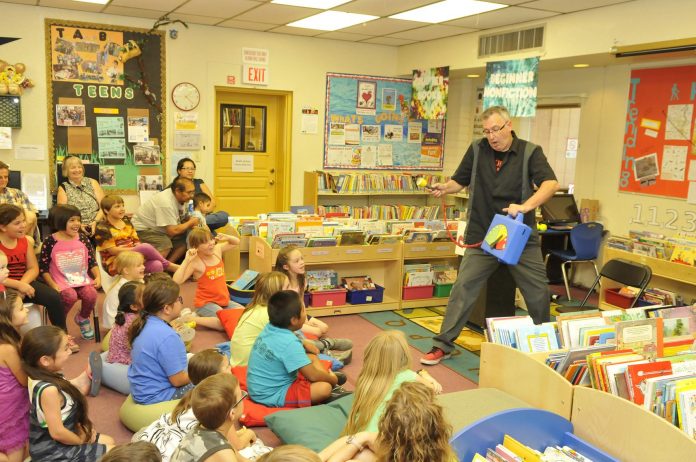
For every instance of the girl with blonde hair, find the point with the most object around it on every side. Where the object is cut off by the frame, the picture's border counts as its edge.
(255, 316)
(386, 366)
(130, 266)
(413, 428)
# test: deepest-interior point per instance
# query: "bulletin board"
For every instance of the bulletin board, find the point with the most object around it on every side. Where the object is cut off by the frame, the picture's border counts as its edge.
(659, 155)
(106, 97)
(367, 126)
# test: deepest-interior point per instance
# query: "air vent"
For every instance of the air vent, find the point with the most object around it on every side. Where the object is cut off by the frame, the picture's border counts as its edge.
(508, 42)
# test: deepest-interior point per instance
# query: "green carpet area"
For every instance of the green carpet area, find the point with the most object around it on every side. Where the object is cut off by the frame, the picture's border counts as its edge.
(463, 362)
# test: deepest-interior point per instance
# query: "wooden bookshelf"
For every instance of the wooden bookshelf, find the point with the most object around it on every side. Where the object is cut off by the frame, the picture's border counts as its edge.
(428, 252)
(381, 262)
(665, 275)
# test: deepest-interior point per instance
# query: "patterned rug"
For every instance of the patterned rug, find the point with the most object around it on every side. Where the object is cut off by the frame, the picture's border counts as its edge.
(431, 319)
(463, 362)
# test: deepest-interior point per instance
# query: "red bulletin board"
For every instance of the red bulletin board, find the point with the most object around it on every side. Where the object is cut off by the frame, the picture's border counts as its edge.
(659, 152)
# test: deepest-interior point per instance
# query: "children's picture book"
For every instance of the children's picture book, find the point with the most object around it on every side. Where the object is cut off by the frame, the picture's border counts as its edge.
(322, 279)
(278, 227)
(637, 374)
(352, 238)
(642, 336)
(358, 283)
(246, 280)
(325, 241)
(532, 339)
(418, 235)
(284, 239)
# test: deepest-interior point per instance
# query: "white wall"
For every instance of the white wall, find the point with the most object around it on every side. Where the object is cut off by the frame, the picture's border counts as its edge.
(205, 56)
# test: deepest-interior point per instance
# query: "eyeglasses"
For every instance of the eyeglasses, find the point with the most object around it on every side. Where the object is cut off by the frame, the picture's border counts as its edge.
(188, 168)
(494, 130)
(245, 395)
(180, 299)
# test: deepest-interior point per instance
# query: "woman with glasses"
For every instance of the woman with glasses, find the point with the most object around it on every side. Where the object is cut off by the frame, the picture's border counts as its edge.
(158, 370)
(186, 168)
(82, 192)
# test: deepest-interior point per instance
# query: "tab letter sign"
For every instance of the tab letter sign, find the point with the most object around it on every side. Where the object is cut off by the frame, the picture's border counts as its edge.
(255, 74)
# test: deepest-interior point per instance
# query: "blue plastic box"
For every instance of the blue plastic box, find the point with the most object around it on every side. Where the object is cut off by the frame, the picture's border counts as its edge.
(506, 238)
(359, 297)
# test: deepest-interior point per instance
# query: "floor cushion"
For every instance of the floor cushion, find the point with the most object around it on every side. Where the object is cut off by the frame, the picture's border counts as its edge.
(229, 319)
(314, 427)
(136, 416)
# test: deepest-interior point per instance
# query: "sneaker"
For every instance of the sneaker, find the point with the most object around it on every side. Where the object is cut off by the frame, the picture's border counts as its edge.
(434, 357)
(344, 356)
(342, 378)
(72, 344)
(341, 344)
(85, 326)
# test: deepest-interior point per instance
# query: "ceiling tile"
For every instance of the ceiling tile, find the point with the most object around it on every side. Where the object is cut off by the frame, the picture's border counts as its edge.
(296, 31)
(71, 5)
(137, 12)
(248, 25)
(277, 14)
(195, 19)
(563, 6)
(389, 41)
(217, 8)
(165, 5)
(382, 7)
(432, 32)
(340, 35)
(498, 18)
(383, 26)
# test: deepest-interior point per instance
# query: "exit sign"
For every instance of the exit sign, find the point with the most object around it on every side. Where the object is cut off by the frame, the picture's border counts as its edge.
(255, 74)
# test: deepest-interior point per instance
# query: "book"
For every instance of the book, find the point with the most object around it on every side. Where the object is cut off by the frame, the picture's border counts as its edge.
(636, 374)
(418, 235)
(532, 339)
(322, 279)
(281, 240)
(326, 241)
(352, 238)
(357, 283)
(246, 280)
(642, 336)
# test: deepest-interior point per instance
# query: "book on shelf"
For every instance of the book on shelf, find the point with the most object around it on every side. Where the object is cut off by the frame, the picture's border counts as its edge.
(532, 339)
(278, 227)
(418, 274)
(349, 237)
(324, 241)
(685, 391)
(281, 240)
(310, 228)
(444, 274)
(246, 280)
(637, 374)
(357, 283)
(643, 336)
(322, 279)
(418, 235)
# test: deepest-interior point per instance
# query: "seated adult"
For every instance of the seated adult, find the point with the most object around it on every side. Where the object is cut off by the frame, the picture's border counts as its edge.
(16, 197)
(413, 428)
(82, 192)
(186, 168)
(163, 222)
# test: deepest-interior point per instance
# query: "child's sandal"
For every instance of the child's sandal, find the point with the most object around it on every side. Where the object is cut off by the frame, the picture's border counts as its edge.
(95, 373)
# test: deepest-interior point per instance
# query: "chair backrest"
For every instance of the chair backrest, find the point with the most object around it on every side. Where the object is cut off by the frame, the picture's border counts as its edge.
(106, 279)
(627, 273)
(586, 239)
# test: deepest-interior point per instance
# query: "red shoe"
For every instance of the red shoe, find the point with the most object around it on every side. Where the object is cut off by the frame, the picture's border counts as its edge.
(434, 357)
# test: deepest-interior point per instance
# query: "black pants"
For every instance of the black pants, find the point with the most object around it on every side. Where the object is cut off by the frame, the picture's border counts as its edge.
(49, 298)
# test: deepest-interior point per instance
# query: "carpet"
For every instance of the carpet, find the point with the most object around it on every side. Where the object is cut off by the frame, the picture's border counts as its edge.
(431, 319)
(463, 362)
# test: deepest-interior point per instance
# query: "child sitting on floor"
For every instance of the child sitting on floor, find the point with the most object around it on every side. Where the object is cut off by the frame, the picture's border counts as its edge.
(133, 452)
(255, 316)
(168, 431)
(202, 206)
(118, 357)
(278, 355)
(115, 234)
(130, 266)
(67, 258)
(217, 403)
(204, 262)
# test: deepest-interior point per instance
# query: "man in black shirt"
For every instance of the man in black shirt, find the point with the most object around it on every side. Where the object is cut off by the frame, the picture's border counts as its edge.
(494, 170)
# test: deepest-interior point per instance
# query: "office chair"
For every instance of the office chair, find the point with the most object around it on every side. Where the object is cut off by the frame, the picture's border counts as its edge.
(586, 239)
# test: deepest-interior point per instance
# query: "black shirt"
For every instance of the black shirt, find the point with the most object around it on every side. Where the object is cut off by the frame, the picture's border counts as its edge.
(495, 190)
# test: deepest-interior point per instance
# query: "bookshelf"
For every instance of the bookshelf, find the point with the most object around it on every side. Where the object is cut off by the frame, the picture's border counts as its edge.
(665, 274)
(381, 262)
(428, 252)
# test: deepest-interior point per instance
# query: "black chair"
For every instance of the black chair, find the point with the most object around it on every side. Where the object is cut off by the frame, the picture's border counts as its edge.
(624, 272)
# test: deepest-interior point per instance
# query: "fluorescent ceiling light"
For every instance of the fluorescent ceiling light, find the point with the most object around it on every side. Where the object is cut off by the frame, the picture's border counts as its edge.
(581, 65)
(447, 10)
(472, 76)
(98, 2)
(320, 4)
(332, 20)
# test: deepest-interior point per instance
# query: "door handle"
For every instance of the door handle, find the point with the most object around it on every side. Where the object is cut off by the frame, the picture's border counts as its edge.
(271, 182)
(272, 170)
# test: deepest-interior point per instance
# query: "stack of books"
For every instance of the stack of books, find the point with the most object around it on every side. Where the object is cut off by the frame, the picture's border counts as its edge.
(520, 332)
(418, 274)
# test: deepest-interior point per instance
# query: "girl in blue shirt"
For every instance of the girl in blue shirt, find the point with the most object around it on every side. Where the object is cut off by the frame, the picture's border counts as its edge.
(158, 370)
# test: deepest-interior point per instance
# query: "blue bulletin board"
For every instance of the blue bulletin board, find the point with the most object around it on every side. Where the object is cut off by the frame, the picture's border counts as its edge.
(367, 126)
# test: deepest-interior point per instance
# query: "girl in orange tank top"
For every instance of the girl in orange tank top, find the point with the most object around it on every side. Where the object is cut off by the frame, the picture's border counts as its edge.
(204, 262)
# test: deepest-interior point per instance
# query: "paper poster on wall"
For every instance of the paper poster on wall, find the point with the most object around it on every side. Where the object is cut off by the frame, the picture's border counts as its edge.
(368, 157)
(187, 140)
(110, 127)
(30, 152)
(150, 183)
(659, 135)
(112, 148)
(70, 115)
(512, 84)
(35, 186)
(243, 163)
(138, 125)
(146, 154)
(310, 121)
(5, 138)
(107, 175)
(185, 121)
(430, 87)
(366, 102)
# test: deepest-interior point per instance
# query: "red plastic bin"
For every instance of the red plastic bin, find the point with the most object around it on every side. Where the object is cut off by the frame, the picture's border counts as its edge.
(613, 297)
(416, 292)
(333, 297)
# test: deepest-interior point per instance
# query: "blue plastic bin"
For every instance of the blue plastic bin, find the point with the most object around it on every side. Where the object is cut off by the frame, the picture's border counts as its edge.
(359, 297)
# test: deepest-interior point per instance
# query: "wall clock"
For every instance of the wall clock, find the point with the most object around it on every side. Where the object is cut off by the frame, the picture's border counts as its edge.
(186, 96)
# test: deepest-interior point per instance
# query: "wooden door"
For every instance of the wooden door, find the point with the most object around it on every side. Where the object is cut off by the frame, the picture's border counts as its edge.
(267, 187)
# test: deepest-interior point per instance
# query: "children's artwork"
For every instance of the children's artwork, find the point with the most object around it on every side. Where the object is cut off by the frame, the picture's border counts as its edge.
(5, 138)
(107, 176)
(70, 115)
(110, 127)
(430, 88)
(145, 154)
(150, 183)
(366, 98)
(368, 112)
(112, 148)
(659, 135)
(138, 130)
(187, 140)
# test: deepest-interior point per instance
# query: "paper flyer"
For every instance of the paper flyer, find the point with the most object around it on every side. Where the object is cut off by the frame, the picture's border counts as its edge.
(393, 133)
(337, 133)
(110, 127)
